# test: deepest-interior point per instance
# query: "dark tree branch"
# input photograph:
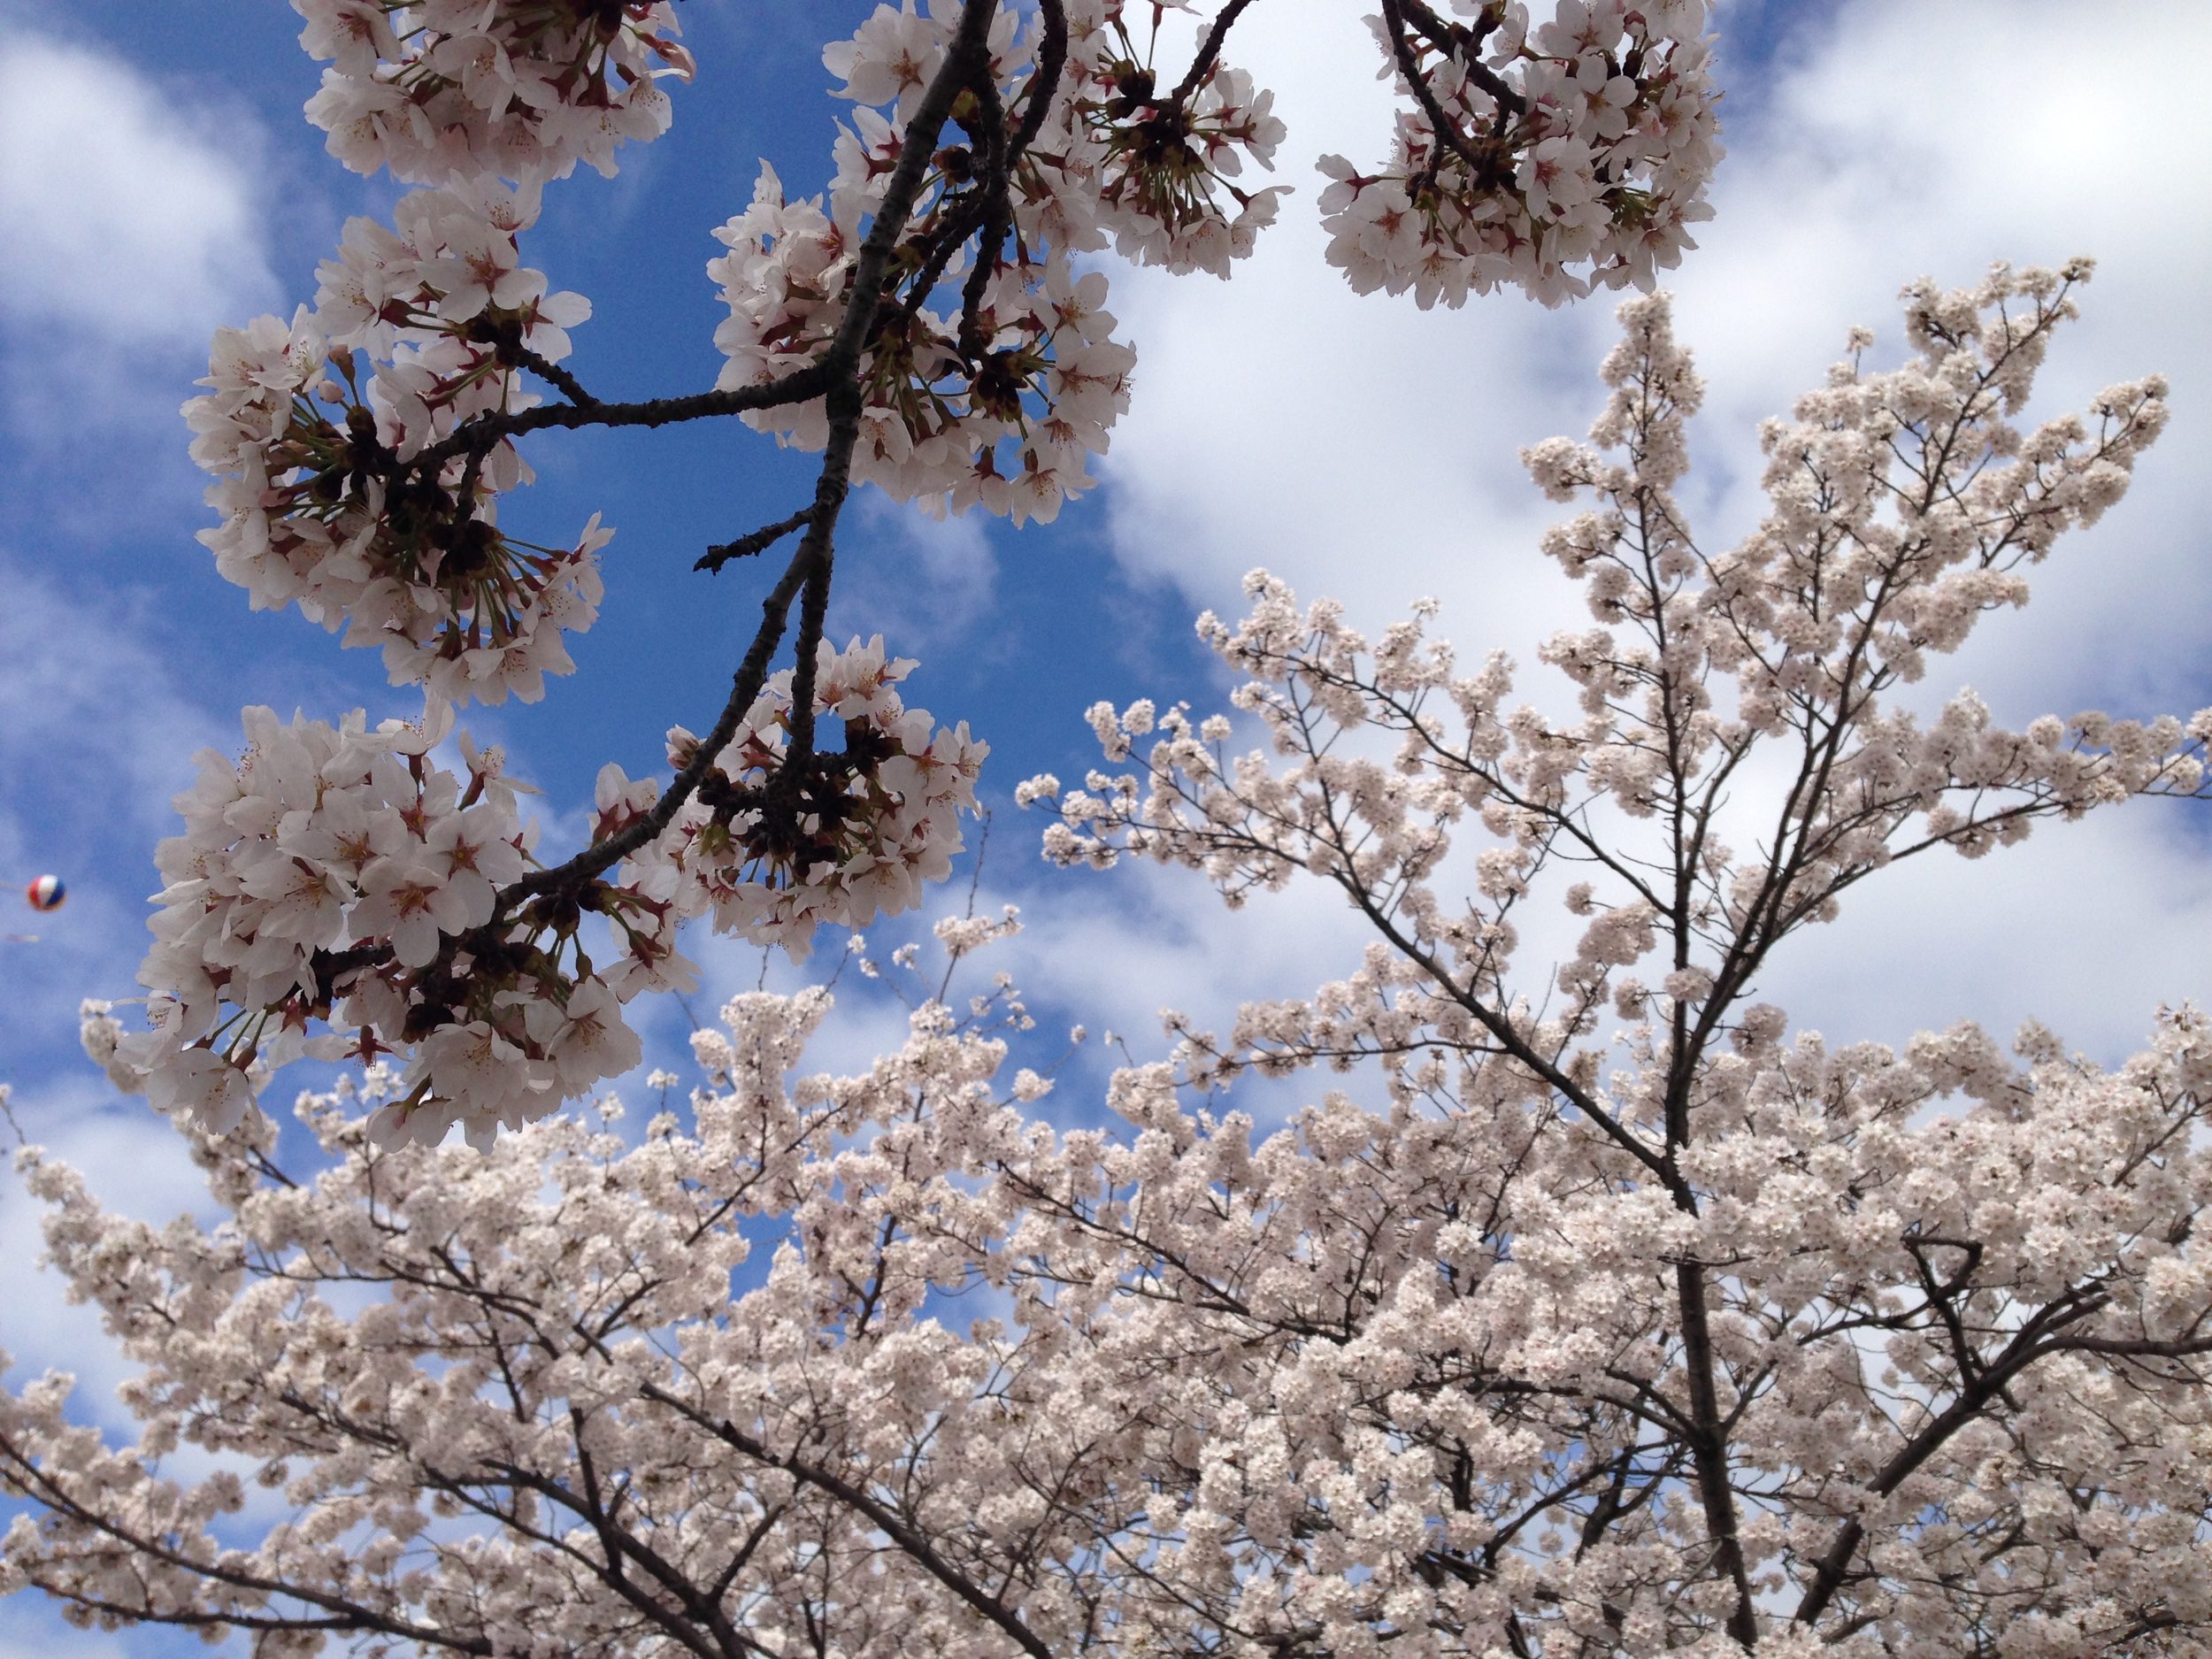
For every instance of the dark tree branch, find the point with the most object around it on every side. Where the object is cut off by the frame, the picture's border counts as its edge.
(42, 1488)
(1209, 54)
(554, 375)
(1466, 44)
(836, 369)
(1446, 130)
(757, 541)
(798, 386)
(997, 217)
(1044, 81)
(752, 674)
(2034, 1340)
(1709, 1443)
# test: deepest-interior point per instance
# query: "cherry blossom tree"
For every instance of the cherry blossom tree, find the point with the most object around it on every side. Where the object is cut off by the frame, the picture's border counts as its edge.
(1618, 1321)
(1601, 1312)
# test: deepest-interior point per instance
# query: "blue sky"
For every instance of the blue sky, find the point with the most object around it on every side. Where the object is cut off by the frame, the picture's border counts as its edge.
(158, 181)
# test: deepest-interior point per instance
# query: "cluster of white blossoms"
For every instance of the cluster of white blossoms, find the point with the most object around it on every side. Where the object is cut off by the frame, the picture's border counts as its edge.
(1619, 1320)
(327, 875)
(1413, 1375)
(317, 432)
(1001, 403)
(341, 875)
(334, 874)
(1009, 429)
(338, 875)
(1149, 165)
(360, 453)
(328, 501)
(1571, 154)
(436, 91)
(872, 824)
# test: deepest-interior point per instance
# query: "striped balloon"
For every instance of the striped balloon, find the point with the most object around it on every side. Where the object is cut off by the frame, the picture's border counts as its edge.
(46, 892)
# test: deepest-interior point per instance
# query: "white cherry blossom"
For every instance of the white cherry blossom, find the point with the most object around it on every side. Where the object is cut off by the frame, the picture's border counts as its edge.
(439, 90)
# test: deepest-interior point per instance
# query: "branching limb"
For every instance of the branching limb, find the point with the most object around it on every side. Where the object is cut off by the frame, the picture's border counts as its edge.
(809, 569)
(799, 387)
(1446, 130)
(554, 375)
(1465, 43)
(877, 1514)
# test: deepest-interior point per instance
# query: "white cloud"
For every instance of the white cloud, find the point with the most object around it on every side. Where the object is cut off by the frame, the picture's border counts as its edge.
(924, 582)
(134, 226)
(125, 220)
(2088, 929)
(97, 731)
(78, 662)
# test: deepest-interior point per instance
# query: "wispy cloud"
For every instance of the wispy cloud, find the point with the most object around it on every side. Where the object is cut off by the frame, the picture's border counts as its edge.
(126, 220)
(134, 225)
(97, 731)
(927, 582)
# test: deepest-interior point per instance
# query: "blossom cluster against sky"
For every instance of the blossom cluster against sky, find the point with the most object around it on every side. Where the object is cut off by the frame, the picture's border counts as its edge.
(155, 180)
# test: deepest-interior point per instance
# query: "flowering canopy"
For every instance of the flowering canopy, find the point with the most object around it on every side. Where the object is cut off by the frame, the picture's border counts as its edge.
(1622, 1321)
(924, 325)
(1617, 1320)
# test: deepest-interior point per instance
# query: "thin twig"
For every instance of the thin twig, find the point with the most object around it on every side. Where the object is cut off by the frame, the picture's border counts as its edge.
(752, 674)
(554, 375)
(758, 541)
(798, 386)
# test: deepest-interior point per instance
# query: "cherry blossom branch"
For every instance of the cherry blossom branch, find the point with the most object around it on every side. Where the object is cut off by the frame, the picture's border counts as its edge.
(799, 387)
(1442, 127)
(752, 673)
(809, 569)
(24, 1472)
(1468, 45)
(1408, 720)
(1507, 1036)
(996, 217)
(621, 1543)
(1824, 752)
(965, 69)
(2034, 1340)
(878, 1514)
